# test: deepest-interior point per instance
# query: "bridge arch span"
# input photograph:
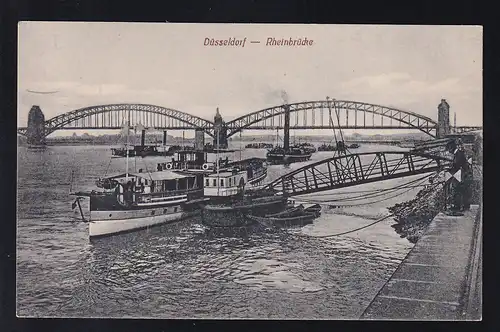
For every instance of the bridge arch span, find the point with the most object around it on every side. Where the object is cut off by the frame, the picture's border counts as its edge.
(113, 116)
(405, 119)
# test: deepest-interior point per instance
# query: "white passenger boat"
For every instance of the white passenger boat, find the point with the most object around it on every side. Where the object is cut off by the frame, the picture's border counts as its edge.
(137, 200)
(140, 200)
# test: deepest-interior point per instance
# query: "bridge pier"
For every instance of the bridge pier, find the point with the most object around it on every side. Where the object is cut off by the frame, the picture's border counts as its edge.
(35, 132)
(220, 130)
(443, 126)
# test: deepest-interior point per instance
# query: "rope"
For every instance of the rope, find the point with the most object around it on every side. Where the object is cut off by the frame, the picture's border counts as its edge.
(359, 228)
(365, 196)
(107, 168)
(347, 232)
(377, 192)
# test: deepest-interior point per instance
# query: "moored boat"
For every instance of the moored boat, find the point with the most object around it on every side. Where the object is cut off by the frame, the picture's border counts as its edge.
(135, 200)
(307, 147)
(280, 156)
(259, 146)
(132, 201)
(206, 162)
(291, 212)
(142, 151)
(229, 203)
(327, 147)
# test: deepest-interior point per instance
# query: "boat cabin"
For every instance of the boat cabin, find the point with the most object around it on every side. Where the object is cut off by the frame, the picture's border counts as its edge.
(198, 160)
(227, 183)
(159, 186)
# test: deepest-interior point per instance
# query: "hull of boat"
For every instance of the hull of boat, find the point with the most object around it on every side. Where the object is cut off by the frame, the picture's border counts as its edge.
(258, 178)
(278, 159)
(106, 223)
(133, 153)
(235, 216)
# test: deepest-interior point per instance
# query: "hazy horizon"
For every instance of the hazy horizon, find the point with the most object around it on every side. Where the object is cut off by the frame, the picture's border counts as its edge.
(407, 67)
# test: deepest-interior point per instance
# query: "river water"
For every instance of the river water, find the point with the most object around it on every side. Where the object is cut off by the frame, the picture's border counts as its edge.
(181, 271)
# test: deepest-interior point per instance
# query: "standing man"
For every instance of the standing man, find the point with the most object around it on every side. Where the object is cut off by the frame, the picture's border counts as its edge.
(461, 190)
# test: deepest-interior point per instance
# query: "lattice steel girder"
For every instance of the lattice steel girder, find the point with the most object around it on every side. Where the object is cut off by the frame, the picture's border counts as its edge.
(355, 169)
(62, 120)
(412, 120)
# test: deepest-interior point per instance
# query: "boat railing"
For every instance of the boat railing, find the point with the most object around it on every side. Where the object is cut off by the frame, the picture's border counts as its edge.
(167, 195)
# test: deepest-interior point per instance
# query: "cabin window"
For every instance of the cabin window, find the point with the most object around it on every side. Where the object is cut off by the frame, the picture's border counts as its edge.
(222, 182)
(175, 209)
(165, 211)
(215, 183)
(153, 212)
(230, 182)
(207, 182)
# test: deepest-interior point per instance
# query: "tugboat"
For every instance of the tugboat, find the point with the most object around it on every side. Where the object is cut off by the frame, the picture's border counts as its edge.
(286, 154)
(144, 150)
(205, 162)
(281, 155)
(259, 146)
(136, 200)
(307, 147)
(327, 147)
(229, 204)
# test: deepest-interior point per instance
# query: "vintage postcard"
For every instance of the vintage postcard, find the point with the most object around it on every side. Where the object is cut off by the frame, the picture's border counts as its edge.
(246, 171)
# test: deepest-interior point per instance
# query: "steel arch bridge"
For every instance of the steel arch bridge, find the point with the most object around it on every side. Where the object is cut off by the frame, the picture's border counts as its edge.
(355, 169)
(114, 116)
(304, 115)
(352, 115)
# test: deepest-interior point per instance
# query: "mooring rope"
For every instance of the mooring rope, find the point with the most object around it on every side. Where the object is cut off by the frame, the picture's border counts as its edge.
(359, 228)
(376, 194)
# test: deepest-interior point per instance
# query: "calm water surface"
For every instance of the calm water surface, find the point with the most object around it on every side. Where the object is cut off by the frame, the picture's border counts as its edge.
(180, 270)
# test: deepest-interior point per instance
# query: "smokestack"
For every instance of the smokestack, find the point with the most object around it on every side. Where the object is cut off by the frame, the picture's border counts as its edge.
(286, 136)
(143, 137)
(455, 119)
(164, 137)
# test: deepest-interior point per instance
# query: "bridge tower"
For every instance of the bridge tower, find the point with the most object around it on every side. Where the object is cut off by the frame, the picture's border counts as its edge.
(443, 127)
(36, 126)
(199, 139)
(220, 131)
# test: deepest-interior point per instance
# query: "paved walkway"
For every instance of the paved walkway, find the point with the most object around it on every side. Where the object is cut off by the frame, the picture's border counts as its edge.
(432, 281)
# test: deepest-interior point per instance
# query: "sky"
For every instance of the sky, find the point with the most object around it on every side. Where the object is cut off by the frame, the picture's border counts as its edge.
(166, 64)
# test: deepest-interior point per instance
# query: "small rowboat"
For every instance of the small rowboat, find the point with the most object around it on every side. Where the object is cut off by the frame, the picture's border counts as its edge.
(291, 212)
(314, 209)
(272, 222)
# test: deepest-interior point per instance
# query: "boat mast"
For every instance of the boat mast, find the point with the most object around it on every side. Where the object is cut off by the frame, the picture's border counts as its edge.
(126, 147)
(217, 156)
